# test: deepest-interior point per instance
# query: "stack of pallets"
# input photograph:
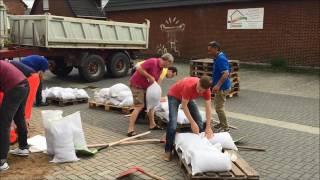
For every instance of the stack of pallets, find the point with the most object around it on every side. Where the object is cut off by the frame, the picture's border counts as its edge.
(202, 67)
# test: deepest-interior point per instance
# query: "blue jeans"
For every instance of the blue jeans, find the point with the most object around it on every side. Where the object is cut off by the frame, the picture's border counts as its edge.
(173, 114)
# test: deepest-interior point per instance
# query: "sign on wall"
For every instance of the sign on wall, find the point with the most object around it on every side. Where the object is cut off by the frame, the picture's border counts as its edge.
(251, 18)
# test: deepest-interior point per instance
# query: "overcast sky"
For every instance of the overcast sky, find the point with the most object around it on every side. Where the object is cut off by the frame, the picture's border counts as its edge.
(29, 3)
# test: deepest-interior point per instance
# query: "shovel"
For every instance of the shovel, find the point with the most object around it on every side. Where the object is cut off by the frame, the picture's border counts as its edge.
(138, 169)
(105, 146)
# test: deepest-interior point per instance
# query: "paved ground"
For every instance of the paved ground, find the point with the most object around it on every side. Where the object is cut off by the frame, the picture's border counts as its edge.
(283, 98)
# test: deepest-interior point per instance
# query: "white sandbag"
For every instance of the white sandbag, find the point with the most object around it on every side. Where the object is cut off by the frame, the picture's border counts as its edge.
(123, 95)
(153, 96)
(80, 93)
(77, 131)
(204, 160)
(117, 88)
(225, 139)
(48, 117)
(55, 92)
(104, 93)
(114, 101)
(63, 145)
(67, 95)
(128, 101)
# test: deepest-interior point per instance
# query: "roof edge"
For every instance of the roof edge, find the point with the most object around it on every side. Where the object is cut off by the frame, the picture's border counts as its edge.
(170, 5)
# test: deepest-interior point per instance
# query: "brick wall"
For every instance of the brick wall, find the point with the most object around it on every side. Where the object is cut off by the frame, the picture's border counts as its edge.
(56, 7)
(291, 31)
(15, 7)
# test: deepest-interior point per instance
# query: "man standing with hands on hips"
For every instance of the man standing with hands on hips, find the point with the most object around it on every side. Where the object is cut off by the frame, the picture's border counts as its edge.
(221, 83)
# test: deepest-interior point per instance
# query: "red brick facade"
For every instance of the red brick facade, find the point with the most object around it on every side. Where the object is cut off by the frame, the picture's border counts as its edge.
(291, 31)
(15, 7)
(56, 7)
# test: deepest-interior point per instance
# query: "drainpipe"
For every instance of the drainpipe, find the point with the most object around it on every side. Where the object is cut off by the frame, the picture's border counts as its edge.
(3, 24)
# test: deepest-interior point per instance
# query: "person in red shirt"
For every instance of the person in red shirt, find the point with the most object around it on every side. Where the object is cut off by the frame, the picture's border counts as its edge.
(15, 87)
(145, 75)
(184, 92)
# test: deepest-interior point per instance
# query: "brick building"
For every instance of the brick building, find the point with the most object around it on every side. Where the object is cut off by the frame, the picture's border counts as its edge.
(71, 8)
(15, 7)
(290, 28)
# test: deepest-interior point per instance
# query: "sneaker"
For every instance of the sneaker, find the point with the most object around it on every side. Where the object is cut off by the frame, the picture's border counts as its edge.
(20, 152)
(167, 156)
(4, 166)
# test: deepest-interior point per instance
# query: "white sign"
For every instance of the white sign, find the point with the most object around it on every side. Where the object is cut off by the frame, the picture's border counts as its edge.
(245, 18)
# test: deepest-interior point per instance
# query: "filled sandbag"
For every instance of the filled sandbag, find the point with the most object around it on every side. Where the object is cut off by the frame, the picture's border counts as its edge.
(128, 101)
(77, 130)
(117, 88)
(224, 138)
(123, 95)
(64, 150)
(104, 93)
(153, 96)
(80, 93)
(204, 160)
(48, 117)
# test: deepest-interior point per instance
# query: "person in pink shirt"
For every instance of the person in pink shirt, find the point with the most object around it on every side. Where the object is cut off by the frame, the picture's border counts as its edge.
(145, 75)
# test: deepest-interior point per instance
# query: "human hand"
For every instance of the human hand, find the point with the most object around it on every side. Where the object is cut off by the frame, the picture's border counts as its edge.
(152, 80)
(195, 128)
(215, 89)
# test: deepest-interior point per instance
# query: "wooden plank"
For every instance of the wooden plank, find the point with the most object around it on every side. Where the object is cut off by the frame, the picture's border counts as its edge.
(236, 171)
(246, 168)
(64, 102)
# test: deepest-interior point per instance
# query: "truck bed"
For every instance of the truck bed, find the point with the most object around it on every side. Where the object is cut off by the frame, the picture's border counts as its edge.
(50, 31)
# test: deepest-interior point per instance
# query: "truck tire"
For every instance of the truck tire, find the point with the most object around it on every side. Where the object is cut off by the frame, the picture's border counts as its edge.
(92, 68)
(119, 64)
(60, 68)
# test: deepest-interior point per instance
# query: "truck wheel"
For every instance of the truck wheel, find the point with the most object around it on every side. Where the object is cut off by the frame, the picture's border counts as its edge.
(92, 68)
(119, 65)
(60, 68)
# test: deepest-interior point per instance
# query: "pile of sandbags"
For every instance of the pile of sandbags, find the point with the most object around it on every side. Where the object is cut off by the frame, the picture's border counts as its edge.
(64, 93)
(64, 135)
(163, 109)
(205, 155)
(118, 95)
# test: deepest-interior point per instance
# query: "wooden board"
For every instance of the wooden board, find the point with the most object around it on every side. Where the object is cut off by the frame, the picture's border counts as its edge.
(65, 102)
(110, 107)
(240, 170)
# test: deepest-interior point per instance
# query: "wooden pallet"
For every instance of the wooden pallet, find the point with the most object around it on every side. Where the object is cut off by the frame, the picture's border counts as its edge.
(198, 73)
(110, 107)
(65, 102)
(241, 170)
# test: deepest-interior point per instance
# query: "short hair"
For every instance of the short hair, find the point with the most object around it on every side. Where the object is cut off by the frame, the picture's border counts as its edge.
(205, 82)
(173, 69)
(167, 57)
(215, 44)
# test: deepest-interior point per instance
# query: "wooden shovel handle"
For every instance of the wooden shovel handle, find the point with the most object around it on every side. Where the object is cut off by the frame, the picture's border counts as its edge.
(142, 141)
(118, 142)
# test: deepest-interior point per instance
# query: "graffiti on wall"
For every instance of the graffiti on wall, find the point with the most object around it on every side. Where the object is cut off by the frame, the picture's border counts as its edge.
(171, 27)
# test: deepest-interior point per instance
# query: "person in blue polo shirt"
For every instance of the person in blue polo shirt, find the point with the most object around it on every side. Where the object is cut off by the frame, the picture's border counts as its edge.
(39, 64)
(221, 83)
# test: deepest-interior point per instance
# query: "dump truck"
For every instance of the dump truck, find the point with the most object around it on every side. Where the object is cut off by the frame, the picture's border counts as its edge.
(94, 47)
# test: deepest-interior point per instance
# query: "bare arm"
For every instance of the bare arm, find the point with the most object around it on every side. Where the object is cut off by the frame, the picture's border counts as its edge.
(144, 73)
(194, 126)
(224, 76)
(208, 112)
(40, 75)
